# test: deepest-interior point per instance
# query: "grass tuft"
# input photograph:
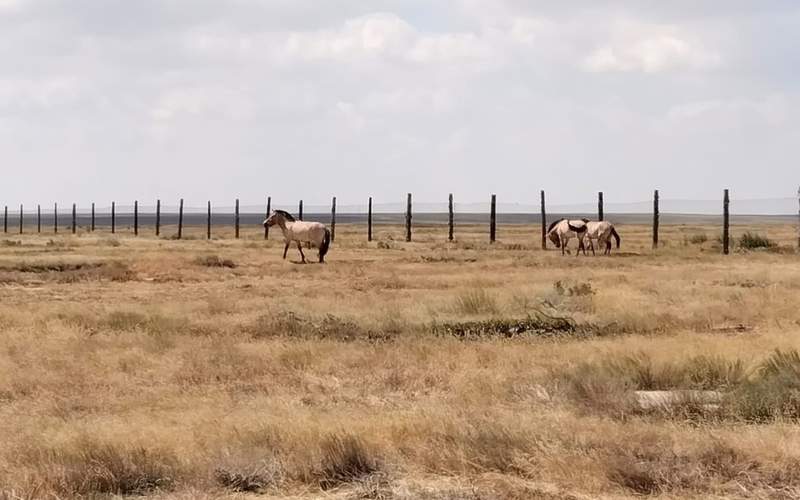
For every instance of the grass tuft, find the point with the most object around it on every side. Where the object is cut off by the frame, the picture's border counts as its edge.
(345, 459)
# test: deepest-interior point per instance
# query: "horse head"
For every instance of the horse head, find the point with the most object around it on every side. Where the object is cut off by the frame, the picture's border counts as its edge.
(555, 239)
(279, 217)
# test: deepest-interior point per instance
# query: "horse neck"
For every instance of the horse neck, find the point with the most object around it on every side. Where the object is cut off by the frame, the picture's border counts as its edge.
(285, 225)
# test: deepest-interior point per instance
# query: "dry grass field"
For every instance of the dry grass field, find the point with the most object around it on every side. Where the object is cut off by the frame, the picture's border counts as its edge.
(195, 369)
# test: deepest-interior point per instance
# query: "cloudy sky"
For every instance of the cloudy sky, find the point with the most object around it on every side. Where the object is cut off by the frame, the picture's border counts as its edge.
(203, 99)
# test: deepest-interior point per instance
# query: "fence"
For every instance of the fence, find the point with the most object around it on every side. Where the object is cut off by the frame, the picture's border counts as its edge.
(135, 217)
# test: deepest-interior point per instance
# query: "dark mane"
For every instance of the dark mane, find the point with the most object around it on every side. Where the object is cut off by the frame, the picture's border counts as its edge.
(286, 215)
(553, 225)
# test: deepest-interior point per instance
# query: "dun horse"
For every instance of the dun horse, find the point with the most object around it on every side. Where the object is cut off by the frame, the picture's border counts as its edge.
(562, 230)
(602, 231)
(313, 233)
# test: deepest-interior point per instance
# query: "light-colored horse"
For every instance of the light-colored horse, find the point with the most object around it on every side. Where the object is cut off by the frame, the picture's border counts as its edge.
(563, 230)
(314, 233)
(602, 231)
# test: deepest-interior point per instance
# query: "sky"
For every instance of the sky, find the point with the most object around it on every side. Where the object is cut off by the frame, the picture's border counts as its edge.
(212, 100)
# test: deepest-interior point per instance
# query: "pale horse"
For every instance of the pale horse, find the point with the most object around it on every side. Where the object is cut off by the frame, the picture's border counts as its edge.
(313, 233)
(602, 231)
(563, 230)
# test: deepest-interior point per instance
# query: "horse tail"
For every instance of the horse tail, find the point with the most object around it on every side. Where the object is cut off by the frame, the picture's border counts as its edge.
(615, 235)
(326, 243)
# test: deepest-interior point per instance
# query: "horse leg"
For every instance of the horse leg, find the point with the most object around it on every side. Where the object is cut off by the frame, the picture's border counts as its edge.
(591, 244)
(302, 255)
(285, 249)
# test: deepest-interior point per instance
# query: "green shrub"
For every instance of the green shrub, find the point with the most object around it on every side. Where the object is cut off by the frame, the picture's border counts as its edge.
(750, 241)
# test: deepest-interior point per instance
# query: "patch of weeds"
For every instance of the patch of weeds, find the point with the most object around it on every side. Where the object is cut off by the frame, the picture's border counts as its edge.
(752, 241)
(252, 479)
(386, 245)
(474, 302)
(64, 272)
(11, 243)
(345, 459)
(214, 261)
(107, 469)
(772, 393)
(537, 325)
(579, 289)
(279, 323)
(698, 238)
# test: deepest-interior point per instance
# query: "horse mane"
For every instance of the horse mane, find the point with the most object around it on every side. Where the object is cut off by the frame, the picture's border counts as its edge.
(552, 225)
(585, 220)
(285, 214)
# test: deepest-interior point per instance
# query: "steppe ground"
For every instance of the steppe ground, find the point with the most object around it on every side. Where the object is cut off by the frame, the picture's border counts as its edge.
(197, 369)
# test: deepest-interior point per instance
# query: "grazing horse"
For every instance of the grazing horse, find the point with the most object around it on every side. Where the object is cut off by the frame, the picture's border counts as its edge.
(313, 233)
(602, 231)
(562, 230)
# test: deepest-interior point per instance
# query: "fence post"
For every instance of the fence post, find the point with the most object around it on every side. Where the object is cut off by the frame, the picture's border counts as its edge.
(725, 223)
(300, 210)
(158, 217)
(544, 220)
(20, 219)
(450, 217)
(5, 219)
(180, 220)
(208, 222)
(408, 218)
(369, 220)
(113, 217)
(92, 216)
(655, 219)
(236, 219)
(493, 219)
(38, 218)
(55, 217)
(74, 218)
(136, 217)
(269, 211)
(333, 219)
(600, 205)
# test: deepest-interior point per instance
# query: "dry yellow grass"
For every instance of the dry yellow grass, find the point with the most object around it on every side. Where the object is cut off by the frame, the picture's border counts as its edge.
(195, 369)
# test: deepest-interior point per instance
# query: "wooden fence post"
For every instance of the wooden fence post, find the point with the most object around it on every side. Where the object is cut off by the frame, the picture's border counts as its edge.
(655, 219)
(113, 217)
(5, 219)
(408, 218)
(92, 216)
(236, 219)
(38, 218)
(74, 218)
(726, 223)
(369, 220)
(136, 217)
(600, 205)
(300, 210)
(208, 222)
(180, 220)
(20, 219)
(493, 219)
(269, 211)
(158, 217)
(450, 218)
(544, 220)
(55, 217)
(333, 219)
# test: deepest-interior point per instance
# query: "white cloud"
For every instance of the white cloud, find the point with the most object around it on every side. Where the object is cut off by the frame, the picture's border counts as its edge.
(638, 47)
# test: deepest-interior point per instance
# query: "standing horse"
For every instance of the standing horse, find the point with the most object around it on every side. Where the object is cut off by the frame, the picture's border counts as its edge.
(602, 231)
(313, 233)
(562, 230)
